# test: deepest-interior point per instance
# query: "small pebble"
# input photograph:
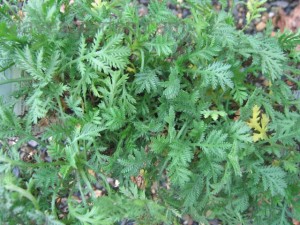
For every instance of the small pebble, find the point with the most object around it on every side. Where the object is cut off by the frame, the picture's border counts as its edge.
(48, 159)
(282, 4)
(32, 143)
(271, 14)
(296, 94)
(16, 171)
(127, 222)
(214, 222)
(143, 11)
(185, 13)
(99, 186)
(261, 26)
(241, 21)
(20, 4)
(264, 18)
(187, 220)
(11, 142)
(144, 2)
(98, 193)
(114, 183)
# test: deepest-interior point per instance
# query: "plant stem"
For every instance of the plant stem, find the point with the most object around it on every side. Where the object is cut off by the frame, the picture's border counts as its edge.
(53, 208)
(25, 193)
(61, 111)
(33, 165)
(80, 190)
(87, 182)
(16, 80)
(5, 68)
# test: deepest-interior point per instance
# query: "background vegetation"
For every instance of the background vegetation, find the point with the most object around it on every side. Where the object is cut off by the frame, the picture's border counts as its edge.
(147, 118)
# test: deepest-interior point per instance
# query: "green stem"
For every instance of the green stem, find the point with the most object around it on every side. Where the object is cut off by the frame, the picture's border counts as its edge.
(53, 208)
(142, 59)
(182, 130)
(16, 80)
(292, 79)
(163, 168)
(7, 67)
(88, 55)
(25, 193)
(66, 65)
(61, 111)
(81, 191)
(283, 213)
(87, 182)
(32, 165)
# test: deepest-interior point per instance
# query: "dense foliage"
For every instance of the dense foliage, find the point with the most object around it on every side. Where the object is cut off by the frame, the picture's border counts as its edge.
(167, 116)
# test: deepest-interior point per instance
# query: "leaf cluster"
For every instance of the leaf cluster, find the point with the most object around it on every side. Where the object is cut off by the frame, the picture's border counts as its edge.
(160, 115)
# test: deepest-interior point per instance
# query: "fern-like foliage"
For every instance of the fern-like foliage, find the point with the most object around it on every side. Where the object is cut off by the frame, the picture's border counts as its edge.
(159, 12)
(140, 116)
(214, 145)
(161, 44)
(273, 179)
(288, 40)
(10, 124)
(217, 74)
(286, 126)
(272, 59)
(35, 65)
(172, 85)
(38, 107)
(193, 191)
(180, 154)
(267, 54)
(135, 162)
(208, 49)
(102, 58)
(147, 80)
(240, 94)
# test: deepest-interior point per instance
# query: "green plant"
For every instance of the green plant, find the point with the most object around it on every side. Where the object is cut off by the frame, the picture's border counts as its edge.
(146, 107)
(254, 8)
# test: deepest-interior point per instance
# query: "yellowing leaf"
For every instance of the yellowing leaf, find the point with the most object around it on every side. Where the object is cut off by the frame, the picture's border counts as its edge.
(131, 70)
(264, 121)
(259, 124)
(97, 4)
